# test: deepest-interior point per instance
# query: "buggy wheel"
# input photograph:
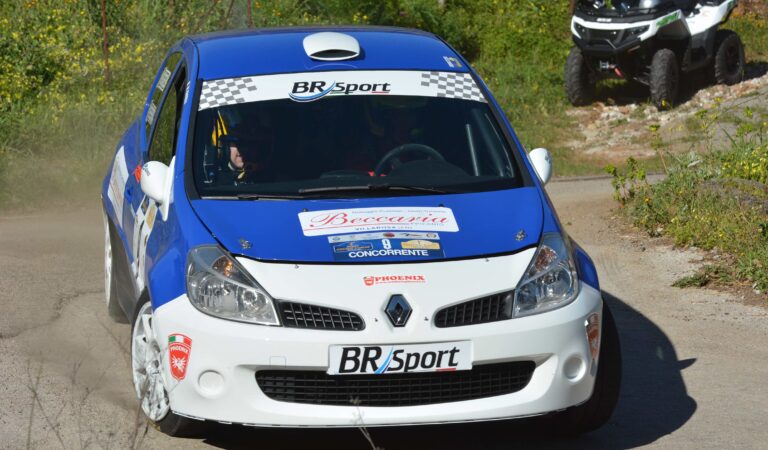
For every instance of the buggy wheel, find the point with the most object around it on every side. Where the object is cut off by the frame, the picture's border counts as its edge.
(579, 84)
(596, 411)
(729, 58)
(665, 79)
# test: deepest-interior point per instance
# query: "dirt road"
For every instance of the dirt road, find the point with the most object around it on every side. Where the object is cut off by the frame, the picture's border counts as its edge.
(695, 361)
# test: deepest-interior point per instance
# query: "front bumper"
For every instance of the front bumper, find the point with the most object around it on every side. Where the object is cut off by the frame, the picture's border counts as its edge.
(605, 40)
(220, 382)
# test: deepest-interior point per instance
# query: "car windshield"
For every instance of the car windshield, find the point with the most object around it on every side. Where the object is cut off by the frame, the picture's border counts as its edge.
(623, 6)
(351, 139)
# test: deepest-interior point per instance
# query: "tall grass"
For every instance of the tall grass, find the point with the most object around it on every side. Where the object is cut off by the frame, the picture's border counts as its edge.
(714, 201)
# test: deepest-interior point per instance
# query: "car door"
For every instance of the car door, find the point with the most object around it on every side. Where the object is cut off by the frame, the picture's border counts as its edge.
(132, 156)
(162, 129)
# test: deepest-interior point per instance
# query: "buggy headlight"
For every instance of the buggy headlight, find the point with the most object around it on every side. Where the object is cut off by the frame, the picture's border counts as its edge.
(550, 281)
(219, 286)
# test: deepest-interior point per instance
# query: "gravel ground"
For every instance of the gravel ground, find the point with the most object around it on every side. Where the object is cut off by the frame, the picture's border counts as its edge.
(616, 128)
(695, 365)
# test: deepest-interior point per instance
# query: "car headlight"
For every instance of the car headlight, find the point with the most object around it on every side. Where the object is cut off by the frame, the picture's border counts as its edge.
(219, 286)
(550, 281)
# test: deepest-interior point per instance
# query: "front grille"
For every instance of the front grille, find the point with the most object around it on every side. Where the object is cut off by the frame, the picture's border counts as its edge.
(482, 310)
(609, 35)
(409, 389)
(300, 315)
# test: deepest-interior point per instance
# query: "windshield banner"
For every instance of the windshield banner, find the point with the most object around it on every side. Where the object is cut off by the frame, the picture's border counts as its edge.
(309, 87)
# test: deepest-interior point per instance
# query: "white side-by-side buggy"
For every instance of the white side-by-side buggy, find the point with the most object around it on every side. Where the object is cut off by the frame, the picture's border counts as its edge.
(653, 42)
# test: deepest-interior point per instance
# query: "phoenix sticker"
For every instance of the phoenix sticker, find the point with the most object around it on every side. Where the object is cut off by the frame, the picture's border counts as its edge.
(179, 349)
(371, 280)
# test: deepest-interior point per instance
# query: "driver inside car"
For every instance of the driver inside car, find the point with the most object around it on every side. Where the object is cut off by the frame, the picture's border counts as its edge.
(247, 157)
(394, 123)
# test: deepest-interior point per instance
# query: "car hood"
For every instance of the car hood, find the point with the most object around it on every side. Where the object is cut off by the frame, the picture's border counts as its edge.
(373, 230)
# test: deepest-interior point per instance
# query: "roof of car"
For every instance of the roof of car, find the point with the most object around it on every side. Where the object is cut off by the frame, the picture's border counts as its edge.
(280, 50)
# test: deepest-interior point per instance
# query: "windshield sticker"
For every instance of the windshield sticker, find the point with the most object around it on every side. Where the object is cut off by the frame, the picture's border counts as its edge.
(412, 248)
(163, 81)
(151, 112)
(337, 221)
(117, 180)
(306, 91)
(228, 91)
(308, 87)
(186, 92)
(451, 61)
(452, 85)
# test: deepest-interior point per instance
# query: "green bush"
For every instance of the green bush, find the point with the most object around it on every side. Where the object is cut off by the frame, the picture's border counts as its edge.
(713, 201)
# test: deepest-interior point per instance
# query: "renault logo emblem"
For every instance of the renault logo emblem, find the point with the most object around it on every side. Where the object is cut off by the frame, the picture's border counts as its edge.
(398, 310)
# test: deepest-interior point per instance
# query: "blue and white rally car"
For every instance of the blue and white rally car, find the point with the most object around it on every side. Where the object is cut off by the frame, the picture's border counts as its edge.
(338, 227)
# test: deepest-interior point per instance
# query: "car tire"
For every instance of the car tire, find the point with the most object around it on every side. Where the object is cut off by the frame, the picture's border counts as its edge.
(596, 411)
(110, 275)
(664, 79)
(729, 58)
(150, 390)
(579, 83)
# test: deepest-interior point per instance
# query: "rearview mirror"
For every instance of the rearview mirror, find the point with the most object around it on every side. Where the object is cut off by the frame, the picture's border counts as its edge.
(542, 163)
(156, 181)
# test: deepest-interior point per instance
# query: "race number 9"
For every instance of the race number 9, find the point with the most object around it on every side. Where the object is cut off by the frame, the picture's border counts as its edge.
(386, 244)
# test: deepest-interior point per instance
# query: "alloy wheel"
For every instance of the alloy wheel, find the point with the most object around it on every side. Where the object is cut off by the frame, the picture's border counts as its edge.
(146, 361)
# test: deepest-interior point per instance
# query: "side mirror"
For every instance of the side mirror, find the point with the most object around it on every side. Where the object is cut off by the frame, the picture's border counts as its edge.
(542, 163)
(156, 182)
(153, 178)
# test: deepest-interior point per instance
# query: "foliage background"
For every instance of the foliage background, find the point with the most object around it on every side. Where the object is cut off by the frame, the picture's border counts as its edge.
(62, 111)
(715, 201)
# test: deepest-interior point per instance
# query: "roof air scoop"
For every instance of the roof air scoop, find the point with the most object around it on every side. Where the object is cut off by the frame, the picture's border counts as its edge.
(329, 46)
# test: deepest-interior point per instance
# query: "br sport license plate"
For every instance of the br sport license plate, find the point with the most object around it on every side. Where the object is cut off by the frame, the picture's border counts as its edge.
(396, 358)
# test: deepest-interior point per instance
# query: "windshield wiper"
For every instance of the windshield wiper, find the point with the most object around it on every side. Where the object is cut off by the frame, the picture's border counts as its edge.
(373, 187)
(268, 197)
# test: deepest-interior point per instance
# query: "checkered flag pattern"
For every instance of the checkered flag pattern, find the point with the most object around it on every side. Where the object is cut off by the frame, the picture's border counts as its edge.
(225, 92)
(453, 85)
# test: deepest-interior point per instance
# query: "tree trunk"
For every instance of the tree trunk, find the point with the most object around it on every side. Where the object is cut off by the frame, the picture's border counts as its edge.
(229, 13)
(205, 16)
(249, 13)
(105, 42)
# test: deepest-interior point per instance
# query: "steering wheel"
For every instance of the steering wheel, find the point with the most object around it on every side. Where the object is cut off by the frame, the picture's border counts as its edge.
(392, 159)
